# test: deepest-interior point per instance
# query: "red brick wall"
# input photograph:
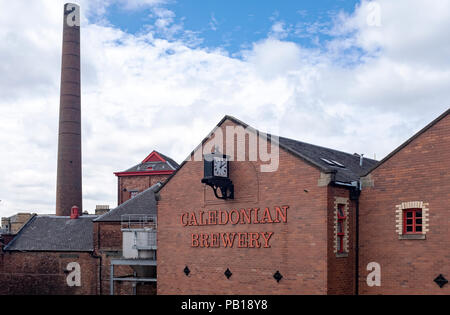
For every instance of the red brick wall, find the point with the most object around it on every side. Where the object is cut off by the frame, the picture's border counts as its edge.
(298, 248)
(341, 270)
(42, 273)
(139, 183)
(419, 172)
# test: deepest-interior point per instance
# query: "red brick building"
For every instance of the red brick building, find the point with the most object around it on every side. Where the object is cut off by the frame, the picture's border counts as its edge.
(156, 167)
(291, 231)
(51, 255)
(295, 230)
(39, 258)
(404, 215)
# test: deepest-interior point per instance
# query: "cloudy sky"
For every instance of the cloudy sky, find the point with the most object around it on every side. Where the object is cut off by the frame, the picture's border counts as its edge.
(357, 76)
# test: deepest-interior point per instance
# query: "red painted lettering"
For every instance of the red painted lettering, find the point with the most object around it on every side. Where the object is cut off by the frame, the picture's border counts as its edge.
(256, 211)
(221, 221)
(183, 222)
(242, 240)
(281, 212)
(204, 240)
(266, 238)
(236, 217)
(195, 242)
(228, 241)
(193, 220)
(212, 217)
(267, 218)
(215, 240)
(253, 240)
(246, 215)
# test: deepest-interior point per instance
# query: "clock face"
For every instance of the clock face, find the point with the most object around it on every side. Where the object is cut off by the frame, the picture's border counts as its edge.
(220, 167)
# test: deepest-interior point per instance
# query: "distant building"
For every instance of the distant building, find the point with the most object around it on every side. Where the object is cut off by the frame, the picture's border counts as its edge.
(12, 225)
(156, 167)
(101, 209)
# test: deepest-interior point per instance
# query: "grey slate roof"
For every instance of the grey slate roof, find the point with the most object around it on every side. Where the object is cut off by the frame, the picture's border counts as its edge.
(143, 203)
(53, 233)
(311, 154)
(352, 170)
(169, 165)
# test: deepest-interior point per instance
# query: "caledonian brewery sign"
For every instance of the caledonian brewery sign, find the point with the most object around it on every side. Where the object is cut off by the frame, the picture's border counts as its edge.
(248, 216)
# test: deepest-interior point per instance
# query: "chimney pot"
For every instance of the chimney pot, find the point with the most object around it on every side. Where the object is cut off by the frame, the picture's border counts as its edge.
(74, 213)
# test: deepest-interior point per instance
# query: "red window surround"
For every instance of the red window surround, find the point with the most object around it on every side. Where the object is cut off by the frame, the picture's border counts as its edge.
(412, 221)
(341, 228)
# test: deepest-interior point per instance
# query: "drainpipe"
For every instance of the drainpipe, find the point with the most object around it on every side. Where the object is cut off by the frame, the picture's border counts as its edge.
(99, 257)
(354, 195)
(99, 287)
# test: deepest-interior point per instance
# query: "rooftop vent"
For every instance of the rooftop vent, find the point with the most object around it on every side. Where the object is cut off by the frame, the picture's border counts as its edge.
(333, 163)
(338, 164)
(327, 161)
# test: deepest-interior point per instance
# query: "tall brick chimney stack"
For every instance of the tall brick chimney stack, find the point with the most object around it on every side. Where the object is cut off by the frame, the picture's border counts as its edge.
(68, 186)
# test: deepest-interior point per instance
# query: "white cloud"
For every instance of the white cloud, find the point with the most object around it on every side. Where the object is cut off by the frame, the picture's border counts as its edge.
(279, 30)
(367, 91)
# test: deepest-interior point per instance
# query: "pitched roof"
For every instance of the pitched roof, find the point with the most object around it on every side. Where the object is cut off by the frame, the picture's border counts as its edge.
(403, 145)
(143, 203)
(309, 153)
(346, 166)
(54, 233)
(154, 162)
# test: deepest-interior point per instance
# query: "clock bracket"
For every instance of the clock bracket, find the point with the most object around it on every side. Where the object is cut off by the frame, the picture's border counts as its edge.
(225, 186)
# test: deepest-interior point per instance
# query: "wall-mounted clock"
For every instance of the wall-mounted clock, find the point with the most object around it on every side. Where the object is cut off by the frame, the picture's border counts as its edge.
(216, 175)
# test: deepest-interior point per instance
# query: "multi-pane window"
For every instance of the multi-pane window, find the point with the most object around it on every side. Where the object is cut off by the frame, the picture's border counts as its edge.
(341, 228)
(412, 221)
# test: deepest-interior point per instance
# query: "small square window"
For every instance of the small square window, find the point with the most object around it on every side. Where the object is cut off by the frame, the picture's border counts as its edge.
(412, 221)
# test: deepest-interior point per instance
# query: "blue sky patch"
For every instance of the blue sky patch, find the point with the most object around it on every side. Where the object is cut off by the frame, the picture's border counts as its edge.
(234, 25)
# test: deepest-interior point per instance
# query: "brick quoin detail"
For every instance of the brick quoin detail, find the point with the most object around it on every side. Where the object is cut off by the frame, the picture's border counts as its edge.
(341, 201)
